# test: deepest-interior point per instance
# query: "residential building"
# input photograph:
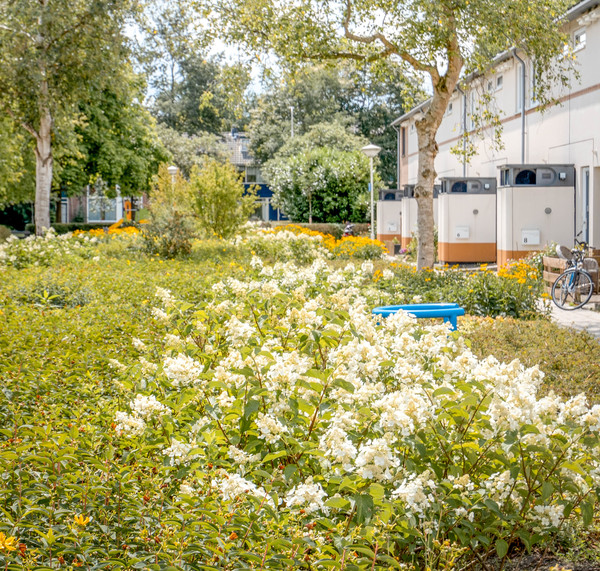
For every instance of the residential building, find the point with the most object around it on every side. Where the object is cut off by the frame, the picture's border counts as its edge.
(238, 146)
(565, 134)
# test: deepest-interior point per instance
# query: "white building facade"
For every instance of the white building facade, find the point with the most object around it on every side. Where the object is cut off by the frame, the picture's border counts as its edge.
(565, 134)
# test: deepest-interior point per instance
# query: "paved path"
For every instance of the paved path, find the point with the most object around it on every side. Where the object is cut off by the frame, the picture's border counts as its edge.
(582, 319)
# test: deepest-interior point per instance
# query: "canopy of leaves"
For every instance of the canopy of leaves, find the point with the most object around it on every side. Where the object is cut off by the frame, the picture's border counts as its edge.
(322, 172)
(73, 47)
(204, 96)
(369, 99)
(116, 140)
(187, 151)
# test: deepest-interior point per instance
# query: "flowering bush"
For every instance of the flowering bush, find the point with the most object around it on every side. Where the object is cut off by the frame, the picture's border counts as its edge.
(292, 242)
(313, 434)
(359, 247)
(285, 245)
(46, 250)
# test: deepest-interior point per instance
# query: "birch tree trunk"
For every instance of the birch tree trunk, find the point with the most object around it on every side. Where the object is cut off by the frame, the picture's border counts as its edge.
(427, 129)
(43, 172)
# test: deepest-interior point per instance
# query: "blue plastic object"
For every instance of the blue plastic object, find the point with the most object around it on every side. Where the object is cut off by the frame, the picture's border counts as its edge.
(449, 311)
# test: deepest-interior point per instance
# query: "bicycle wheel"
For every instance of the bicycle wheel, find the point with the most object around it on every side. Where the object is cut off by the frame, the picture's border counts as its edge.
(572, 289)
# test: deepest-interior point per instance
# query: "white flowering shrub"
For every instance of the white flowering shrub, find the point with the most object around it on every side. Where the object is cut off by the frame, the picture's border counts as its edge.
(285, 245)
(46, 250)
(309, 432)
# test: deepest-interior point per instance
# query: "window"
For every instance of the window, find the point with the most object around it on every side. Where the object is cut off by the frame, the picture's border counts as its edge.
(499, 82)
(403, 141)
(532, 87)
(579, 39)
(519, 91)
(449, 108)
(490, 85)
(412, 127)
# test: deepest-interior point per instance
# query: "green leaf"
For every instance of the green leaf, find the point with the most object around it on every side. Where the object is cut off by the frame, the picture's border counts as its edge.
(501, 547)
(364, 508)
(337, 502)
(587, 511)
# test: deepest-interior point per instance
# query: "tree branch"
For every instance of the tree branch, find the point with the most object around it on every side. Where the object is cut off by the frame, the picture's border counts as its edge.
(29, 128)
(391, 47)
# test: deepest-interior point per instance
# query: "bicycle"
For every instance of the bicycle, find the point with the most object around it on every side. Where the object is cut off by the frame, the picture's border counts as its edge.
(575, 286)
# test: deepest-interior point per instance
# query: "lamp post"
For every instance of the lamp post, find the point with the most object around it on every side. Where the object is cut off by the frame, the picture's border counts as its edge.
(371, 151)
(172, 170)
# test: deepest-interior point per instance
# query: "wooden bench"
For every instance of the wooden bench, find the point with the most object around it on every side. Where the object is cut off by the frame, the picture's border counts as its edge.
(448, 311)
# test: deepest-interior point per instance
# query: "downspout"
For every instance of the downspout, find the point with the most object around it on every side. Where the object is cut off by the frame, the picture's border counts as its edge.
(514, 51)
(464, 126)
(397, 156)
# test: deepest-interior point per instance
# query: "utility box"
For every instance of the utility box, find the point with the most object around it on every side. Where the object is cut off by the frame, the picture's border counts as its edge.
(409, 212)
(467, 220)
(389, 219)
(535, 207)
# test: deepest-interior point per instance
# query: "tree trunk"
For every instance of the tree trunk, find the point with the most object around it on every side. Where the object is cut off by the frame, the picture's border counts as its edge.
(427, 128)
(43, 173)
(428, 150)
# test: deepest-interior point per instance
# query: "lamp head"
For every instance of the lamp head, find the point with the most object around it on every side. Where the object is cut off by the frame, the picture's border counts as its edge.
(371, 151)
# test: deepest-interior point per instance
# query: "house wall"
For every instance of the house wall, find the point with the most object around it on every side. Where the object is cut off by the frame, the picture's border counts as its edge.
(567, 133)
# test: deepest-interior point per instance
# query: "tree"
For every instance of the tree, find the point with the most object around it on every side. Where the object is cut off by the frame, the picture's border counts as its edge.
(222, 205)
(321, 176)
(438, 40)
(115, 139)
(204, 98)
(187, 151)
(54, 54)
(17, 174)
(370, 101)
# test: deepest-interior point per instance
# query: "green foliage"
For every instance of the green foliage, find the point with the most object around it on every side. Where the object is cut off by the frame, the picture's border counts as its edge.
(17, 169)
(116, 140)
(268, 347)
(5, 233)
(188, 151)
(567, 357)
(370, 99)
(321, 176)
(221, 203)
(169, 234)
(172, 227)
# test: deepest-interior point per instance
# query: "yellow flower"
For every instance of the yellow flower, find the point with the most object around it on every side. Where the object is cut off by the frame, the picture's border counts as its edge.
(7, 543)
(81, 520)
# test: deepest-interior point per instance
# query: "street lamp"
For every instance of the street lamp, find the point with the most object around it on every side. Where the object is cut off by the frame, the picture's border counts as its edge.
(172, 170)
(371, 151)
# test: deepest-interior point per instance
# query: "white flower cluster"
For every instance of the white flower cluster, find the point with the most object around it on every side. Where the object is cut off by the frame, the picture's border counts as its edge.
(51, 248)
(147, 406)
(143, 408)
(182, 370)
(383, 402)
(270, 428)
(310, 496)
(166, 297)
(416, 491)
(178, 452)
(232, 486)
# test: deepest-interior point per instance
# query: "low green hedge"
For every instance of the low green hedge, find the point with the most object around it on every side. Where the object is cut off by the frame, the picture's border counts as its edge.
(335, 229)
